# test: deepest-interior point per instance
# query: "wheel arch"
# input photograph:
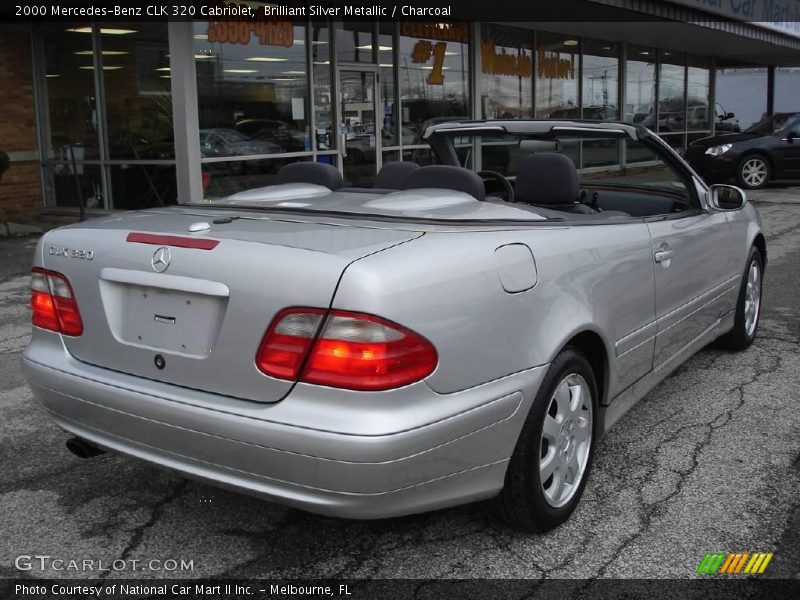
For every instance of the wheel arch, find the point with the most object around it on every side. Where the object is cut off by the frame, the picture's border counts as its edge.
(592, 346)
(761, 243)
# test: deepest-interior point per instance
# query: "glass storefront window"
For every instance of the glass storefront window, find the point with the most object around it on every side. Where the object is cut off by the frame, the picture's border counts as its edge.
(743, 92)
(136, 186)
(640, 86)
(70, 93)
(222, 179)
(71, 187)
(557, 72)
(698, 95)
(354, 41)
(600, 72)
(252, 89)
(434, 75)
(671, 91)
(506, 73)
(137, 92)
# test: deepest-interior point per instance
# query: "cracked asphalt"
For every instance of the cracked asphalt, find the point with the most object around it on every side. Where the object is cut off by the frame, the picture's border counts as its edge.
(708, 461)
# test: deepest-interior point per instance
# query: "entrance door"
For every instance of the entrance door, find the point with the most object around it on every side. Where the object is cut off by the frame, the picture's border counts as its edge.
(359, 129)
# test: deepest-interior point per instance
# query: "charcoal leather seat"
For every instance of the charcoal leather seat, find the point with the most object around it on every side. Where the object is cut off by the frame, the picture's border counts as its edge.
(310, 172)
(550, 180)
(394, 175)
(448, 178)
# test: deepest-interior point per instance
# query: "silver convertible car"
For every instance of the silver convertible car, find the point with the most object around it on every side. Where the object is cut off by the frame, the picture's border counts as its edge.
(462, 331)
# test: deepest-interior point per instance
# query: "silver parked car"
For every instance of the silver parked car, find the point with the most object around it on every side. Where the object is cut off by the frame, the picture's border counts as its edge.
(460, 332)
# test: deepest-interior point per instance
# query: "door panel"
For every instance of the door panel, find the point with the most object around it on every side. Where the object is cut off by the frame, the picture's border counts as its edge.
(693, 278)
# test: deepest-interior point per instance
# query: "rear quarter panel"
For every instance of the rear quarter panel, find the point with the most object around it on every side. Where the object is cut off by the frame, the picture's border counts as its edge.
(445, 285)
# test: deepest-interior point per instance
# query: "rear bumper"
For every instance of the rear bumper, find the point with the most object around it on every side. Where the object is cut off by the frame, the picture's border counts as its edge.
(293, 456)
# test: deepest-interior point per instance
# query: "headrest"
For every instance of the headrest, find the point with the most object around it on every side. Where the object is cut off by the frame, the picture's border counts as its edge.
(448, 178)
(547, 178)
(310, 172)
(393, 175)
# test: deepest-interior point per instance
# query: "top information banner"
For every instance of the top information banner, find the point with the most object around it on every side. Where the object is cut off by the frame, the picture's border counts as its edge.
(777, 15)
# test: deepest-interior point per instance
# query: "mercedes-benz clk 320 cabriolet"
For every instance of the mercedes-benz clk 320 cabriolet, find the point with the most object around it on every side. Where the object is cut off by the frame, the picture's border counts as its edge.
(463, 331)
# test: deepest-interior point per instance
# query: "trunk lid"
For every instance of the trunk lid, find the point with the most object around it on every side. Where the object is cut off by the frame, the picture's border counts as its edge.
(206, 312)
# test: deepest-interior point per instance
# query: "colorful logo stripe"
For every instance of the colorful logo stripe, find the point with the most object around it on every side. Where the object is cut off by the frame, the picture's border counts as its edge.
(734, 563)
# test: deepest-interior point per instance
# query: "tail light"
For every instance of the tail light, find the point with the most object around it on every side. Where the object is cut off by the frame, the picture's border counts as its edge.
(53, 303)
(344, 350)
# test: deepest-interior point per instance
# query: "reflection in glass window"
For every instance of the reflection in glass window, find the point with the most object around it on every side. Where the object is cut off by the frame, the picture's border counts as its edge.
(255, 84)
(698, 112)
(671, 90)
(70, 95)
(434, 75)
(506, 73)
(137, 92)
(640, 86)
(600, 79)
(557, 69)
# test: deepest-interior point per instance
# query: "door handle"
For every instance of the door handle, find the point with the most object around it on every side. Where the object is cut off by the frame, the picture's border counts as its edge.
(663, 255)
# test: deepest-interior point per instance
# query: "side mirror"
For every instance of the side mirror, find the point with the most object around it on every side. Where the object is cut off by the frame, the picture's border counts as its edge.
(726, 116)
(727, 197)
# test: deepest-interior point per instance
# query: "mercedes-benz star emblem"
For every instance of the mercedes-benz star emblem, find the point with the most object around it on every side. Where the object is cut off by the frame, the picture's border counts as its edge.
(161, 258)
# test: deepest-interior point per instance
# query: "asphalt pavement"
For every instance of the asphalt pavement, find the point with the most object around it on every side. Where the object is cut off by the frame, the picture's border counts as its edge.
(709, 461)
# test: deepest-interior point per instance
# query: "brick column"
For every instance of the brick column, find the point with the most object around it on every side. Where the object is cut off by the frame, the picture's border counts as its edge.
(20, 186)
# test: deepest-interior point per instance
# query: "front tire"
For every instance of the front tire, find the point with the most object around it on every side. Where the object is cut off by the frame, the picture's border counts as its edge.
(753, 172)
(748, 307)
(553, 456)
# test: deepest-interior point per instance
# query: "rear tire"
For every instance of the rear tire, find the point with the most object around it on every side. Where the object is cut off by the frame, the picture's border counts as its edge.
(748, 307)
(553, 456)
(753, 172)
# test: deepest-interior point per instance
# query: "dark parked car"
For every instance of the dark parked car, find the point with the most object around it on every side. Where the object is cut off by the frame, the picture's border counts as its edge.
(764, 152)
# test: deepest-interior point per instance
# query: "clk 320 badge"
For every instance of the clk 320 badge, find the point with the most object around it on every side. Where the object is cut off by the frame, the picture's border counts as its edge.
(71, 252)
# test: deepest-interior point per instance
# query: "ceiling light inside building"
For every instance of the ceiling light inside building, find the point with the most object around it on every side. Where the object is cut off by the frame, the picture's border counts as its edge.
(570, 42)
(240, 71)
(103, 30)
(266, 59)
(104, 52)
(380, 48)
(105, 67)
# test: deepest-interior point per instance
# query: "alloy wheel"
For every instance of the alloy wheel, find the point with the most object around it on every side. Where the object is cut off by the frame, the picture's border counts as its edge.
(566, 440)
(752, 298)
(754, 172)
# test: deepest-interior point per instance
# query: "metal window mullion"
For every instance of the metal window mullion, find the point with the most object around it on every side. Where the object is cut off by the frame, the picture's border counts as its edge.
(41, 113)
(336, 95)
(310, 86)
(473, 51)
(185, 114)
(398, 102)
(685, 99)
(711, 111)
(100, 115)
(581, 43)
(622, 96)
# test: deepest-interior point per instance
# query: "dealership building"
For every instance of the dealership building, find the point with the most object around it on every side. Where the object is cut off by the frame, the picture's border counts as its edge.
(125, 115)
